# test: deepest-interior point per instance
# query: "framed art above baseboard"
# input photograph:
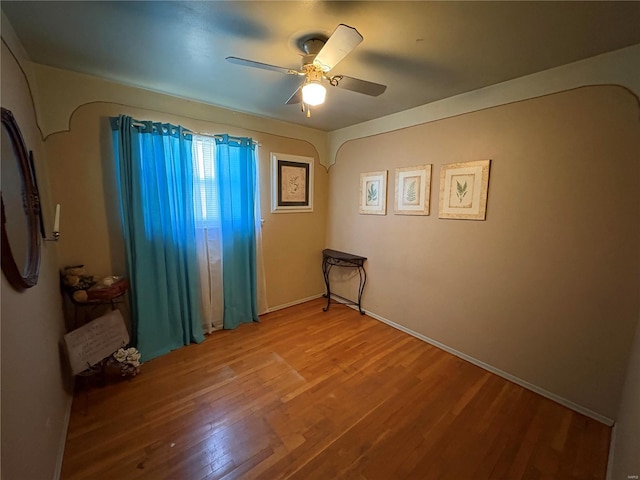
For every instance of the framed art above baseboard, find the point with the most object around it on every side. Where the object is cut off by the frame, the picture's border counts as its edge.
(413, 188)
(291, 183)
(373, 193)
(463, 190)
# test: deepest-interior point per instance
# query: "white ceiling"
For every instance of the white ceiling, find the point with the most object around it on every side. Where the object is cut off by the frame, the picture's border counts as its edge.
(423, 51)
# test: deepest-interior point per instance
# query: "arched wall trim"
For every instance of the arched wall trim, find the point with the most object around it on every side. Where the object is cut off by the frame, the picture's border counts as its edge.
(161, 112)
(26, 81)
(613, 68)
(629, 91)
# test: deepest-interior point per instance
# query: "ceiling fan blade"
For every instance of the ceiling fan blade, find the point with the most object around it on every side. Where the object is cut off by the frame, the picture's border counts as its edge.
(296, 97)
(265, 66)
(340, 43)
(357, 85)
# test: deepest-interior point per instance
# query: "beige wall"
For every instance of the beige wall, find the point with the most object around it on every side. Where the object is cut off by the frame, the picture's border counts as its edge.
(83, 179)
(626, 461)
(619, 67)
(35, 401)
(61, 92)
(546, 288)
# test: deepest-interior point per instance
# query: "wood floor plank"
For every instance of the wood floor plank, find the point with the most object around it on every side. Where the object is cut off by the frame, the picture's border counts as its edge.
(307, 394)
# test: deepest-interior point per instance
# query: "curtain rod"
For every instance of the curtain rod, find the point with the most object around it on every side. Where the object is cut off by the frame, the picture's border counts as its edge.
(186, 130)
(217, 135)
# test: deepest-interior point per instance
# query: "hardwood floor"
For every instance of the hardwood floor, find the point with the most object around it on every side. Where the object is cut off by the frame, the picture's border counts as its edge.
(311, 395)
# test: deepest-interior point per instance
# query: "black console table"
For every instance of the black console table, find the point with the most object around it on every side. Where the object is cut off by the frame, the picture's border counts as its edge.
(334, 258)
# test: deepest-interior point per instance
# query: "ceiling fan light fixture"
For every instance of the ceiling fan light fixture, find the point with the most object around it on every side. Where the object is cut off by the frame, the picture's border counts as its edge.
(313, 93)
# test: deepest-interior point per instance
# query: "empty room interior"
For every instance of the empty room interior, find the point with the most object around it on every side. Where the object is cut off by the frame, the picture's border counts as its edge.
(320, 239)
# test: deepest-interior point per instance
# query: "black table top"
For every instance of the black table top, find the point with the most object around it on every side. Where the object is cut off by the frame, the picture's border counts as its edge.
(347, 257)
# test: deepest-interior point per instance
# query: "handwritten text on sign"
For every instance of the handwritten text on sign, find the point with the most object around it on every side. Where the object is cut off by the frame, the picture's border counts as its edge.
(96, 340)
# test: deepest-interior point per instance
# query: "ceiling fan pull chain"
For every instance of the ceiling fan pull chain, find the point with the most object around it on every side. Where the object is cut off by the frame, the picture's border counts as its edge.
(302, 106)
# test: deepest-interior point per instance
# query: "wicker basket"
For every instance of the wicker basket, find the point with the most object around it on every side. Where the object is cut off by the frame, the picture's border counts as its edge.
(104, 293)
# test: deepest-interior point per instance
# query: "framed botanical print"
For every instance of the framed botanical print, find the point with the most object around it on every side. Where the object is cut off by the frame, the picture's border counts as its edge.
(291, 183)
(463, 190)
(373, 193)
(413, 188)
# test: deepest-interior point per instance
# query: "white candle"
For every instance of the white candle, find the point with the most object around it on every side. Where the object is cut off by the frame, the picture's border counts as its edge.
(56, 222)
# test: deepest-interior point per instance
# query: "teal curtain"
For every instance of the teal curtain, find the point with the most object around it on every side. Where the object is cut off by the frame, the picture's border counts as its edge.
(237, 177)
(154, 169)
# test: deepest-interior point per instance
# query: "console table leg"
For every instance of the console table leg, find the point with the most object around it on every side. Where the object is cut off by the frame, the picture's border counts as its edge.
(325, 271)
(363, 281)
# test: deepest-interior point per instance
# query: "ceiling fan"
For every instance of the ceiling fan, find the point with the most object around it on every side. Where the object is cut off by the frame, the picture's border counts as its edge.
(319, 58)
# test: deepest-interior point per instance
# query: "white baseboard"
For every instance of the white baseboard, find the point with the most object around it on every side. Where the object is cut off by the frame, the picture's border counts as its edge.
(612, 445)
(295, 302)
(529, 386)
(63, 440)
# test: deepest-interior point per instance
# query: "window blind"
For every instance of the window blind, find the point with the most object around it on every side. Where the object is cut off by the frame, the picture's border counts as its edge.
(205, 192)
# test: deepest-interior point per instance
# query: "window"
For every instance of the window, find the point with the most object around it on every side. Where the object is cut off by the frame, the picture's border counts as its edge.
(205, 187)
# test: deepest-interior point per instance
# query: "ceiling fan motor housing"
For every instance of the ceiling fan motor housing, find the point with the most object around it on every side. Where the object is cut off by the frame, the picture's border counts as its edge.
(311, 48)
(313, 73)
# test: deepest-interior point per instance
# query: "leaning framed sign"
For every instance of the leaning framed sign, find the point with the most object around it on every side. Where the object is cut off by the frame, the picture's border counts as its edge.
(291, 183)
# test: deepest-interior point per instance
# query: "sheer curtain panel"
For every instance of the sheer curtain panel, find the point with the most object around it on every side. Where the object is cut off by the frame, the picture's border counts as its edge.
(208, 232)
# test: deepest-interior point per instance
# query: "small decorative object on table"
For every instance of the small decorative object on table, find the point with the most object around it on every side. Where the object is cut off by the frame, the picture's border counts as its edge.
(107, 289)
(84, 289)
(76, 282)
(125, 362)
(86, 298)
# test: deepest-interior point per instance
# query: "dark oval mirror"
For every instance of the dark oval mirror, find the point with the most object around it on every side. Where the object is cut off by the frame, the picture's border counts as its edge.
(20, 209)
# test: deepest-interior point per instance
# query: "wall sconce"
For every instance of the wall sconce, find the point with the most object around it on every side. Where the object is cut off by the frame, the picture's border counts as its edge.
(56, 226)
